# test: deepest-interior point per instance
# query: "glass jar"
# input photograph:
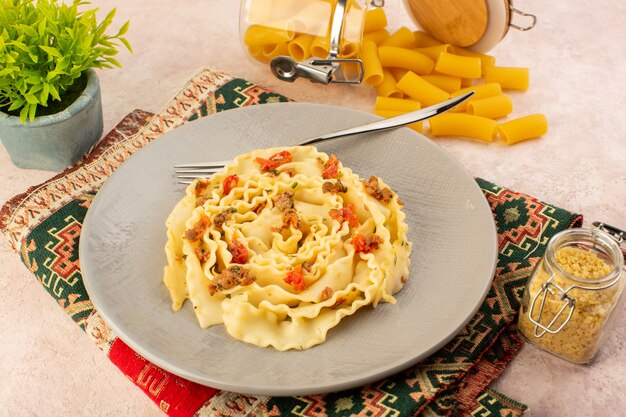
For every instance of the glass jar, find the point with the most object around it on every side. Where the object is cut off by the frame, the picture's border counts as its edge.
(315, 39)
(571, 293)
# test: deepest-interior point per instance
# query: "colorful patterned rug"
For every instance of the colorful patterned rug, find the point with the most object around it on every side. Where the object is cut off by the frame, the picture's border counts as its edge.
(43, 225)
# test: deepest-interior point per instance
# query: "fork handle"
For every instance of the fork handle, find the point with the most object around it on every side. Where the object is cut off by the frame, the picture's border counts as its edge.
(394, 122)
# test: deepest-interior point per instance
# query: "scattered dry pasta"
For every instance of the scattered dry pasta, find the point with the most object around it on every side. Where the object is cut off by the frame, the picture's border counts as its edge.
(403, 64)
(283, 244)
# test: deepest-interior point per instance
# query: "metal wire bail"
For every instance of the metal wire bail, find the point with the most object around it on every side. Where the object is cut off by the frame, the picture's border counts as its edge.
(320, 70)
(533, 18)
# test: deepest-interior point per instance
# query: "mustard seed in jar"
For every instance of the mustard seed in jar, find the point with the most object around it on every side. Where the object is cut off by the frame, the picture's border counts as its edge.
(571, 293)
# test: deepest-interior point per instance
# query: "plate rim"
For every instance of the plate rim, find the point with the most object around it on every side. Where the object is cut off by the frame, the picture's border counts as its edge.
(277, 390)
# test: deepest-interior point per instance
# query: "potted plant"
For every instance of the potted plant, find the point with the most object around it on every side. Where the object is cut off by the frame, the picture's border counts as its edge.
(50, 105)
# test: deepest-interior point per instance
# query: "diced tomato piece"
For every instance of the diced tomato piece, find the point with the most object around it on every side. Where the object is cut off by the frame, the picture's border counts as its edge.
(295, 278)
(201, 185)
(239, 252)
(367, 244)
(229, 183)
(331, 168)
(345, 214)
(274, 161)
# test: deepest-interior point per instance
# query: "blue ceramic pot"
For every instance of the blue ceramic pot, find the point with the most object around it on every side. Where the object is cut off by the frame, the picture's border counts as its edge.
(59, 140)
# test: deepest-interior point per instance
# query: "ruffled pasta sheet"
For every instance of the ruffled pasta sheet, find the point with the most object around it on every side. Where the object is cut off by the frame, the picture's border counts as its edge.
(269, 312)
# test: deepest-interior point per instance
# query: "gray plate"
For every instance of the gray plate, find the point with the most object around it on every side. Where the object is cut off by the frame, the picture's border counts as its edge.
(453, 260)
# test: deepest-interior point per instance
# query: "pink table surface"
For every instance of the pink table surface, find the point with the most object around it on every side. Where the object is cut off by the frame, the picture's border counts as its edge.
(578, 61)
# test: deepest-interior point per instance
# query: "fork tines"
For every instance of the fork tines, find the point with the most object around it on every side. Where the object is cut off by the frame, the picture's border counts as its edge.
(187, 173)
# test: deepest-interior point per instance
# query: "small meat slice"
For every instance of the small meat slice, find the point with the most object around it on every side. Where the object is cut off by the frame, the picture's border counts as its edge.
(284, 201)
(373, 188)
(327, 292)
(334, 188)
(291, 219)
(233, 275)
(198, 229)
(223, 217)
(366, 244)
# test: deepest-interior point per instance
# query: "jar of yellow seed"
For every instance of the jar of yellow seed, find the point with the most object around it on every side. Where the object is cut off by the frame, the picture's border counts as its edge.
(569, 298)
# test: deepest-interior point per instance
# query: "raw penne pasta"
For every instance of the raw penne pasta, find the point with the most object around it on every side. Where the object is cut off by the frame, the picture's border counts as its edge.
(272, 51)
(391, 56)
(374, 19)
(396, 104)
(320, 46)
(350, 50)
(423, 39)
(486, 60)
(465, 125)
(466, 82)
(398, 73)
(433, 51)
(388, 88)
(492, 107)
(300, 47)
(258, 35)
(445, 82)
(421, 90)
(312, 18)
(372, 70)
(510, 78)
(377, 36)
(523, 128)
(480, 91)
(417, 126)
(256, 52)
(402, 38)
(458, 66)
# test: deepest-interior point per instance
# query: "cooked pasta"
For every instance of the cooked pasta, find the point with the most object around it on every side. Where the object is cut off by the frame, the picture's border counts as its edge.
(391, 56)
(421, 90)
(388, 88)
(510, 78)
(523, 128)
(282, 245)
(402, 38)
(464, 125)
(372, 70)
(417, 126)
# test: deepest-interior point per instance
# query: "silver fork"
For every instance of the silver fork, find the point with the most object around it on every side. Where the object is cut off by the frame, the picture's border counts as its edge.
(187, 173)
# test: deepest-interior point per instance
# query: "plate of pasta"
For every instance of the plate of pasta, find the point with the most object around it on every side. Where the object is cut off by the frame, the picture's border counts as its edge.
(296, 270)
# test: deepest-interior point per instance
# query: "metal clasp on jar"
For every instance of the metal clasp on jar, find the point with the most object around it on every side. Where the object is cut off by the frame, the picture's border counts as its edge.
(320, 70)
(554, 289)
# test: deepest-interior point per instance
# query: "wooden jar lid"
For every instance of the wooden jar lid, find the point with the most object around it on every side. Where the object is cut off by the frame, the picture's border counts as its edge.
(460, 23)
(474, 24)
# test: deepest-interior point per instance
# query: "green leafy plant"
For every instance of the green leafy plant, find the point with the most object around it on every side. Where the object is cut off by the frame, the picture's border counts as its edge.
(45, 48)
